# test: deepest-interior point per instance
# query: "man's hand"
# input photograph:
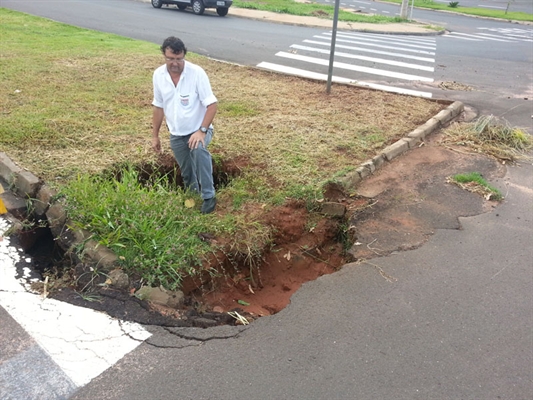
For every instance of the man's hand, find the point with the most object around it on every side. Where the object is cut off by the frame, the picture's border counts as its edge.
(156, 144)
(197, 138)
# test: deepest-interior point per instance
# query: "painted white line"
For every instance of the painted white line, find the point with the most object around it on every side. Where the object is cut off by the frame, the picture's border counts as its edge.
(496, 37)
(362, 2)
(482, 6)
(313, 75)
(302, 72)
(362, 49)
(366, 70)
(481, 36)
(387, 39)
(385, 12)
(378, 45)
(363, 58)
(82, 342)
(451, 35)
(393, 38)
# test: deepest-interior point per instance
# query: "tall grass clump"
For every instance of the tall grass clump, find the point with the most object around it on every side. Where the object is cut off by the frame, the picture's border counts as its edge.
(493, 136)
(152, 228)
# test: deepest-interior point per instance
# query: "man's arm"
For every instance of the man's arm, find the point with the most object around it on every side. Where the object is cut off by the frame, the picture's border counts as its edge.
(157, 120)
(198, 136)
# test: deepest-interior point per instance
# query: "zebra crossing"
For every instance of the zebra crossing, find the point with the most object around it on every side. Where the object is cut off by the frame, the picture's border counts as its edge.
(506, 35)
(366, 59)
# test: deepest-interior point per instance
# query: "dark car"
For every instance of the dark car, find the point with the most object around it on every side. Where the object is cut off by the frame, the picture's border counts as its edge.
(198, 6)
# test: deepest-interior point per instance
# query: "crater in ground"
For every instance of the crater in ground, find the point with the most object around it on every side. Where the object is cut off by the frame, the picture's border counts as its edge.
(396, 209)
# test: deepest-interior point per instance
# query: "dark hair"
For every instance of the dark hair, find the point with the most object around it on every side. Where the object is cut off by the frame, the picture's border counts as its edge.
(174, 44)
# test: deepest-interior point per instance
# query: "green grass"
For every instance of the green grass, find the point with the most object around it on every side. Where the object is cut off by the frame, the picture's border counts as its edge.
(481, 12)
(312, 10)
(76, 103)
(474, 182)
(149, 227)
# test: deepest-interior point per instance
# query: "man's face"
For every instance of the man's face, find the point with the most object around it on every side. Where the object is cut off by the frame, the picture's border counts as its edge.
(175, 62)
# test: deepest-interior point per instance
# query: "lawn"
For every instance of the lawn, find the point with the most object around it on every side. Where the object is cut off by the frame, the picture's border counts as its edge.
(72, 111)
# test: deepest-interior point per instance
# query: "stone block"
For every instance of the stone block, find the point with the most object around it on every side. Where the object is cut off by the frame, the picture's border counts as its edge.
(333, 209)
(26, 184)
(43, 199)
(395, 149)
(8, 168)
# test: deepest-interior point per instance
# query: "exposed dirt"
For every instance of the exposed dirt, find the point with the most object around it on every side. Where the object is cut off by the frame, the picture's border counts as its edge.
(396, 209)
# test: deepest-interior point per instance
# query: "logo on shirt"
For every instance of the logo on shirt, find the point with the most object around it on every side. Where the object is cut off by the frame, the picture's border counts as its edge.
(184, 100)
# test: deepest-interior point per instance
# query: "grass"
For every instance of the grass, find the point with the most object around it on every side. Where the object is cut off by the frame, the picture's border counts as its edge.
(475, 183)
(481, 12)
(493, 136)
(75, 104)
(311, 9)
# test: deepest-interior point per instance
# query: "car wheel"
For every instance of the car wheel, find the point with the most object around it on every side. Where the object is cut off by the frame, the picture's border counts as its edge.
(198, 7)
(157, 3)
(222, 11)
(182, 7)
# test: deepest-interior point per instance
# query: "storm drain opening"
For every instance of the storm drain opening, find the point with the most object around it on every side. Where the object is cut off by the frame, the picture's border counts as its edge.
(235, 284)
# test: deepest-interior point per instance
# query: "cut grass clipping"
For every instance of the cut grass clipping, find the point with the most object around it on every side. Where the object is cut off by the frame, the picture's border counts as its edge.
(493, 136)
(475, 183)
(89, 111)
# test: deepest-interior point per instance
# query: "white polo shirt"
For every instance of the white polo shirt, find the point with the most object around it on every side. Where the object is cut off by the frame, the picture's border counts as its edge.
(185, 104)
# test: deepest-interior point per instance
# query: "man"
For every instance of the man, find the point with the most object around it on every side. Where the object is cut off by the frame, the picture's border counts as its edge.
(183, 96)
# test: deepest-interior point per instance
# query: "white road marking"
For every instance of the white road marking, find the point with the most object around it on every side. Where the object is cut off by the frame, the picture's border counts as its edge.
(340, 40)
(82, 342)
(386, 39)
(385, 53)
(370, 59)
(373, 71)
(314, 75)
(500, 8)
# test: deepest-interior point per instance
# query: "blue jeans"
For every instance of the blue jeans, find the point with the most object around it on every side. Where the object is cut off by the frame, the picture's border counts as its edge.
(196, 165)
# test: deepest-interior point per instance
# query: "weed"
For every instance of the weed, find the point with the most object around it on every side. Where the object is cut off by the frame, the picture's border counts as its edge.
(493, 136)
(475, 183)
(453, 4)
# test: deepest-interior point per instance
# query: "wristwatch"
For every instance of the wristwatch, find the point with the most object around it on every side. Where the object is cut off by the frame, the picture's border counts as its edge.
(203, 129)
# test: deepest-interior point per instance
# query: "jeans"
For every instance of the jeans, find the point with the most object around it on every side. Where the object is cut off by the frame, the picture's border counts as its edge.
(195, 164)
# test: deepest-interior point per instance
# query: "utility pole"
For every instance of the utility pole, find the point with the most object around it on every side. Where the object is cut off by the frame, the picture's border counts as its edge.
(332, 47)
(404, 9)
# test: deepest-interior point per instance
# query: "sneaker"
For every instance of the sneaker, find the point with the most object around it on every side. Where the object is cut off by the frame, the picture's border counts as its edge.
(208, 205)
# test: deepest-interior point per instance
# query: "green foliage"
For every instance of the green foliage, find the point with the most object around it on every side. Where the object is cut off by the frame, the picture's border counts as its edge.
(311, 10)
(482, 12)
(148, 227)
(478, 183)
(453, 4)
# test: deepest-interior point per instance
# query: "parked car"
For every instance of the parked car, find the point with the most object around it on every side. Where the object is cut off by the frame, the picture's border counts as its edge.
(198, 6)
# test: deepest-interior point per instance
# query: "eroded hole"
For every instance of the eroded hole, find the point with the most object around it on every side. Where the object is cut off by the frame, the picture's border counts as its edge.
(304, 246)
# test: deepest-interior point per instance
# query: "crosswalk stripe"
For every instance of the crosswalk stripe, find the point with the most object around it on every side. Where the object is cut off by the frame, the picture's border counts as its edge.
(385, 53)
(378, 45)
(495, 37)
(395, 39)
(372, 71)
(454, 36)
(314, 75)
(479, 36)
(370, 59)
(388, 40)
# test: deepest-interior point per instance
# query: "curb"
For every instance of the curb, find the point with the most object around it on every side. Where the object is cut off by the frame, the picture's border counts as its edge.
(410, 141)
(24, 186)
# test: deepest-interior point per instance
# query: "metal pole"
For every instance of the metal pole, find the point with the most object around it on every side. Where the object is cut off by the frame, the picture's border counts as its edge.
(332, 47)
